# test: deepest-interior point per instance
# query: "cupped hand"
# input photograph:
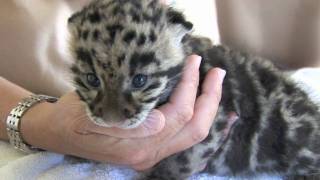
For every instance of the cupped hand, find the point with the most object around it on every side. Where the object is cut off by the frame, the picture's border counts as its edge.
(175, 126)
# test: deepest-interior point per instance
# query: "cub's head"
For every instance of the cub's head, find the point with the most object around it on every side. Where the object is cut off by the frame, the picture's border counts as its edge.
(128, 57)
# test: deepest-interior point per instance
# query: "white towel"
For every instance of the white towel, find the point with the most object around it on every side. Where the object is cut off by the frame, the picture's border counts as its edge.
(51, 166)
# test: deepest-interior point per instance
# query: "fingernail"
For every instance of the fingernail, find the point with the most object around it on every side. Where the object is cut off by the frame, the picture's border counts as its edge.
(221, 75)
(198, 61)
(154, 122)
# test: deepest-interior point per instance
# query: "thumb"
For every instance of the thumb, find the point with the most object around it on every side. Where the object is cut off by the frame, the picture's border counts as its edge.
(153, 124)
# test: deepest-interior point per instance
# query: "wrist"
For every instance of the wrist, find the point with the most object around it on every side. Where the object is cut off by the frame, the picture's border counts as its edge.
(12, 95)
(34, 125)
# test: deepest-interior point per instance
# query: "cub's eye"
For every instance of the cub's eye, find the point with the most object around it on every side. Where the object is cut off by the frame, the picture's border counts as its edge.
(139, 80)
(93, 80)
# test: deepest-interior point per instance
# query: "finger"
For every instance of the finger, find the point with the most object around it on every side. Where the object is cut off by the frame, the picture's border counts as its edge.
(205, 110)
(175, 111)
(197, 129)
(178, 111)
(152, 125)
(186, 90)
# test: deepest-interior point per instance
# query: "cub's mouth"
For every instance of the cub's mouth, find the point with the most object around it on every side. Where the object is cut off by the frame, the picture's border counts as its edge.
(128, 123)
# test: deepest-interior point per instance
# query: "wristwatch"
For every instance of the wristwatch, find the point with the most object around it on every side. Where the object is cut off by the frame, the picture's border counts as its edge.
(14, 121)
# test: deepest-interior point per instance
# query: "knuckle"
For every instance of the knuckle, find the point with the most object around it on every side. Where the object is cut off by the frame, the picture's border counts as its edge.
(185, 114)
(190, 82)
(199, 135)
(137, 157)
(143, 166)
(217, 96)
(148, 162)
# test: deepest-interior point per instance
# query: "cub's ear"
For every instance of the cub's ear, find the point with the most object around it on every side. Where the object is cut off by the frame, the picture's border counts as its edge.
(73, 21)
(178, 23)
(74, 18)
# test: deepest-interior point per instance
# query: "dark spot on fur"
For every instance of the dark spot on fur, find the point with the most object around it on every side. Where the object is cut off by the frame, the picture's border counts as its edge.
(113, 29)
(121, 59)
(153, 86)
(248, 109)
(208, 139)
(96, 34)
(135, 16)
(142, 39)
(100, 112)
(302, 107)
(141, 60)
(111, 75)
(150, 100)
(153, 4)
(176, 17)
(136, 4)
(273, 139)
(182, 159)
(129, 36)
(95, 17)
(91, 107)
(171, 72)
(128, 96)
(208, 153)
(211, 167)
(185, 170)
(80, 96)
(303, 133)
(152, 36)
(93, 52)
(315, 143)
(118, 10)
(127, 113)
(138, 109)
(122, 2)
(84, 34)
(154, 18)
(79, 82)
(75, 69)
(221, 125)
(84, 55)
(105, 66)
(289, 89)
(269, 81)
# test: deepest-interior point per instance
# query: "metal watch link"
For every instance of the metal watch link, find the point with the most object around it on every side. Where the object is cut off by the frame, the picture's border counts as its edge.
(14, 120)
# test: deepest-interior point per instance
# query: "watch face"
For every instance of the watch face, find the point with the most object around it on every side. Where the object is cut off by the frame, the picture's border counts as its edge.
(52, 99)
(49, 99)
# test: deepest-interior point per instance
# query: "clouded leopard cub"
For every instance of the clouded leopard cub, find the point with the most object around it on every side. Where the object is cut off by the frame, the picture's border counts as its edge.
(128, 58)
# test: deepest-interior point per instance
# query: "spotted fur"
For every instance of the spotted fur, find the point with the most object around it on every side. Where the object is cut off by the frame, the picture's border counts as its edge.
(129, 56)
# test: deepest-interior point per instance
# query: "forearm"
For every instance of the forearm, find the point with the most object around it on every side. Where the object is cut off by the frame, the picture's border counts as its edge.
(10, 96)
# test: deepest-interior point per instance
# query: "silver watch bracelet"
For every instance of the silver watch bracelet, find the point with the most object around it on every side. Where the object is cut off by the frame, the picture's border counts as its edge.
(14, 121)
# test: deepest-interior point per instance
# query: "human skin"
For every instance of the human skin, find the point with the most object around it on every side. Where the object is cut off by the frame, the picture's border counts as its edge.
(64, 127)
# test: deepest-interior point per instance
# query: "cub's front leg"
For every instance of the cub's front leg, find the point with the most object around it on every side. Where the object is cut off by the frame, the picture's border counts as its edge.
(193, 160)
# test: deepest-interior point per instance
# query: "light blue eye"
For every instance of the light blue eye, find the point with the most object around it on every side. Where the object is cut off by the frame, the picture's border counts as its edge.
(93, 80)
(139, 80)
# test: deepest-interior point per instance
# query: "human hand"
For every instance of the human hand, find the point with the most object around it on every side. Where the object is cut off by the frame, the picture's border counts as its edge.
(185, 120)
